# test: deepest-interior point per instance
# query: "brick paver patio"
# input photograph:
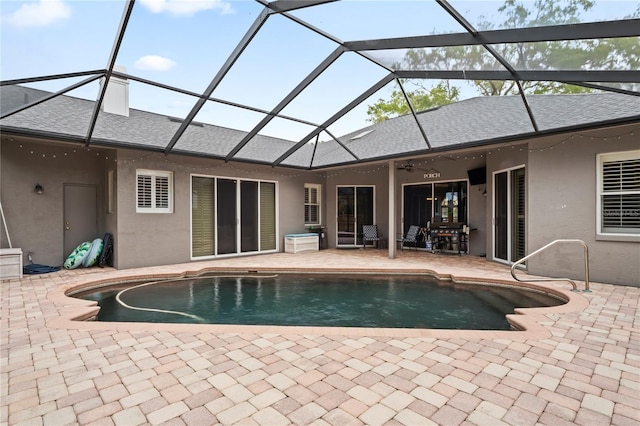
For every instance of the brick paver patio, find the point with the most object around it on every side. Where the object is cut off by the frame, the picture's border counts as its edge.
(585, 370)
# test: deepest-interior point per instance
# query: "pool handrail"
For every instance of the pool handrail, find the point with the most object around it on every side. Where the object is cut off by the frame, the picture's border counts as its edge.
(541, 249)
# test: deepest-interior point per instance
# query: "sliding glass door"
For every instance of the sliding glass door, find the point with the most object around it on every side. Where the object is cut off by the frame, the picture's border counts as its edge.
(203, 232)
(231, 216)
(226, 202)
(439, 202)
(355, 208)
(509, 219)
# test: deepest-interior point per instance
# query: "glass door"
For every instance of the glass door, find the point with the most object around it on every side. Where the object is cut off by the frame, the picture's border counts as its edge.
(248, 216)
(418, 205)
(230, 216)
(226, 216)
(509, 215)
(355, 205)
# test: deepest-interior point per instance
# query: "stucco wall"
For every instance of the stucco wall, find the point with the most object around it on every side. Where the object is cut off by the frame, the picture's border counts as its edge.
(146, 239)
(454, 168)
(371, 175)
(35, 222)
(562, 204)
(378, 175)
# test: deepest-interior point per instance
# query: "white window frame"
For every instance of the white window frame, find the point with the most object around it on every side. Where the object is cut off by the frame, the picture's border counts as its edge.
(154, 174)
(318, 188)
(600, 160)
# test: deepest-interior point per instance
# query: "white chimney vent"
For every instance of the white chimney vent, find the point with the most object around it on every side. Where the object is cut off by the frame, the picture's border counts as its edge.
(116, 98)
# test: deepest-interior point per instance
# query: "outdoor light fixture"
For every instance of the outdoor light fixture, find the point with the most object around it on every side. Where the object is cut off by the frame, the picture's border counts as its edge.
(38, 189)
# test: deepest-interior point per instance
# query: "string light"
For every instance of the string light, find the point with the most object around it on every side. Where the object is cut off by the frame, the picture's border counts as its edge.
(582, 138)
(228, 167)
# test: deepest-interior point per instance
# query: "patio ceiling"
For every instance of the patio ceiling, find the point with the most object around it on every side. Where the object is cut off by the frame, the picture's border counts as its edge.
(304, 72)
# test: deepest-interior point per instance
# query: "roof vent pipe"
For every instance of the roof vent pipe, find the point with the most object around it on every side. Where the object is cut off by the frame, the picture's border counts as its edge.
(116, 98)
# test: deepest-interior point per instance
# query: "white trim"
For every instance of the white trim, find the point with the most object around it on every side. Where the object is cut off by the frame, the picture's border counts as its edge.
(600, 160)
(154, 174)
(238, 251)
(508, 260)
(318, 187)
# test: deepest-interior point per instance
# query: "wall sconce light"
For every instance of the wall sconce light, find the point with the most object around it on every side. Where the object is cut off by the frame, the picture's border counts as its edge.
(38, 189)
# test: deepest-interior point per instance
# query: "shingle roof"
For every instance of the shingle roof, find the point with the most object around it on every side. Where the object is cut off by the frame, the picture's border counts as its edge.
(473, 121)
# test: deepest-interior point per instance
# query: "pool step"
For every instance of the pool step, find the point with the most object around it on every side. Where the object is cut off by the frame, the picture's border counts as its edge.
(495, 301)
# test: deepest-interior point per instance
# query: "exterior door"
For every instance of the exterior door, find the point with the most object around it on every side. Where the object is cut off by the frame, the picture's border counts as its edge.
(230, 216)
(355, 208)
(509, 215)
(80, 215)
(226, 214)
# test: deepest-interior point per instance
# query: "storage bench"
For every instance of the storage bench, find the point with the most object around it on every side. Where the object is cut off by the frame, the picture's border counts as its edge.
(296, 243)
(10, 263)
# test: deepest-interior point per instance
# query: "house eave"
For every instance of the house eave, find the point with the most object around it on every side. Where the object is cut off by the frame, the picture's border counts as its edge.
(528, 136)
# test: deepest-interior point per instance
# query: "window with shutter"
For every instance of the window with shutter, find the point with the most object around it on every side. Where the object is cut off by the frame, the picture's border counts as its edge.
(267, 216)
(312, 204)
(155, 191)
(619, 193)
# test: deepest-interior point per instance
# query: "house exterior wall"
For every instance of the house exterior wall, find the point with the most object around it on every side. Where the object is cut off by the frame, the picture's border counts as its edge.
(35, 222)
(562, 204)
(371, 175)
(378, 176)
(454, 168)
(560, 196)
(147, 239)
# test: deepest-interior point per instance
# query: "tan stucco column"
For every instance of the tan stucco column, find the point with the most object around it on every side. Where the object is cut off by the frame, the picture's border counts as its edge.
(392, 210)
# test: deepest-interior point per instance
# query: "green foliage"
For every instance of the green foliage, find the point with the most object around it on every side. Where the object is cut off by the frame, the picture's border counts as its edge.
(597, 54)
(421, 99)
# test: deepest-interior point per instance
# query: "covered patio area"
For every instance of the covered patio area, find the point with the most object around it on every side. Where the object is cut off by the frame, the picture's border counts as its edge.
(583, 369)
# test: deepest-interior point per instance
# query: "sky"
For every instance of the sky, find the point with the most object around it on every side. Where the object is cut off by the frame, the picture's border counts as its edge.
(183, 43)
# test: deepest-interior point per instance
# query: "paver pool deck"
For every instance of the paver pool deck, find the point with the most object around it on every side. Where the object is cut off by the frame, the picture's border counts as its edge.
(578, 364)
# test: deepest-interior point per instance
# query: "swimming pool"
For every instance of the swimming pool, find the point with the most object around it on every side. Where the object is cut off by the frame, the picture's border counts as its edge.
(326, 300)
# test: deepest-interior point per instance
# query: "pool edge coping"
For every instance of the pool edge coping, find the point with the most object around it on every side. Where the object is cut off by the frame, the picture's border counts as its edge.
(530, 322)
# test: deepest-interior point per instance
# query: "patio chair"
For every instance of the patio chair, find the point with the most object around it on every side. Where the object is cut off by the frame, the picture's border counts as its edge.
(370, 233)
(411, 237)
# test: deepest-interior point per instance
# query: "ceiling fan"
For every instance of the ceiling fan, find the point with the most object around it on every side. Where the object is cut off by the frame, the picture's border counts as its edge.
(408, 166)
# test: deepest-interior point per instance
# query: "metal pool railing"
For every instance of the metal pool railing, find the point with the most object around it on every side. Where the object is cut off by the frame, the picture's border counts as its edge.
(575, 287)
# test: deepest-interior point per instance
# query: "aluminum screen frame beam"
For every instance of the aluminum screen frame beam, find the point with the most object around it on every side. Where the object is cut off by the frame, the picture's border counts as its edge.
(199, 95)
(51, 96)
(222, 72)
(567, 32)
(601, 76)
(326, 63)
(467, 26)
(126, 14)
(413, 112)
(50, 77)
(373, 89)
(281, 6)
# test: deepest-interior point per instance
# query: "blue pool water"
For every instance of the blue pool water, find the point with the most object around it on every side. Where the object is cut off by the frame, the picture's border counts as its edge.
(405, 301)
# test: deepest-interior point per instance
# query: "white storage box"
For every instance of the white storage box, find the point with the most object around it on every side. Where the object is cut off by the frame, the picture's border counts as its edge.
(296, 243)
(10, 263)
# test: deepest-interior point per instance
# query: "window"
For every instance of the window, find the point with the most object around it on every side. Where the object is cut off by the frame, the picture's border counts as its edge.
(155, 191)
(311, 204)
(619, 193)
(110, 192)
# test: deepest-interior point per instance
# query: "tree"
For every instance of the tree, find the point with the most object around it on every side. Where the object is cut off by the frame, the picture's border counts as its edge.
(599, 54)
(421, 99)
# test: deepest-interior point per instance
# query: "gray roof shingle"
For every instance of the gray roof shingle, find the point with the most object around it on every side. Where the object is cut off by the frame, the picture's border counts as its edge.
(475, 120)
